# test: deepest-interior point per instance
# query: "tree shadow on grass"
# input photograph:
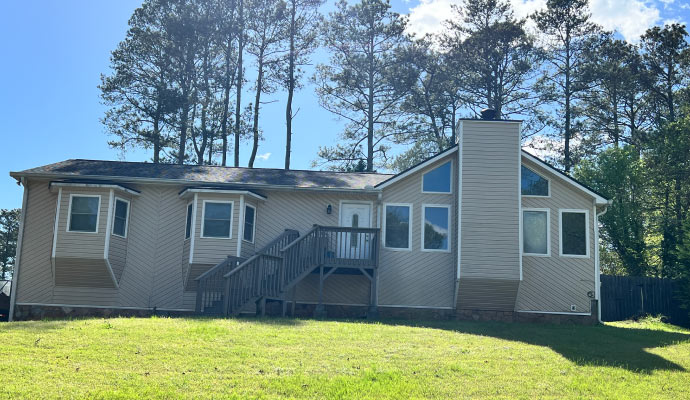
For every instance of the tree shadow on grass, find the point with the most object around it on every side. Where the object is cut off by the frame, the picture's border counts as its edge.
(601, 345)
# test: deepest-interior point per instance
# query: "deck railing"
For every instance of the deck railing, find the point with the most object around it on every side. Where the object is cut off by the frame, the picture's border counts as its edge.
(213, 283)
(285, 261)
(260, 275)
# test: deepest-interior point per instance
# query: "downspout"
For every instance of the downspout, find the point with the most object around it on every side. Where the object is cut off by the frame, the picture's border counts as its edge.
(597, 271)
(459, 137)
(17, 257)
(379, 219)
(240, 227)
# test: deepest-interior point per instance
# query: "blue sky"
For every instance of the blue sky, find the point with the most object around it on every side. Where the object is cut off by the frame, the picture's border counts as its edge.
(53, 53)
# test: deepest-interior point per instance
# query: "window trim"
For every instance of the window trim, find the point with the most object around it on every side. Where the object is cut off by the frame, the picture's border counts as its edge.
(535, 196)
(112, 231)
(203, 218)
(409, 226)
(438, 166)
(423, 218)
(548, 231)
(245, 222)
(69, 212)
(560, 232)
(189, 215)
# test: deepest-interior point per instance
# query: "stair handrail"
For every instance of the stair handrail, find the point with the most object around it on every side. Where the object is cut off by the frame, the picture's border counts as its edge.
(264, 250)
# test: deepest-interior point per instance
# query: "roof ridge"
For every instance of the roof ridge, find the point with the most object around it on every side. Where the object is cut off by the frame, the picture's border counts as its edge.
(229, 167)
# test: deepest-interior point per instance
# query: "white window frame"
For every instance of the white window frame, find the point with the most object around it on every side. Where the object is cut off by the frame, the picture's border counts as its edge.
(203, 218)
(548, 231)
(126, 217)
(69, 212)
(409, 225)
(438, 166)
(536, 196)
(189, 215)
(423, 218)
(253, 225)
(560, 231)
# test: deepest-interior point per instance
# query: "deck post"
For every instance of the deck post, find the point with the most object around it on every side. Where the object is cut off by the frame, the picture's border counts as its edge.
(294, 300)
(320, 310)
(373, 311)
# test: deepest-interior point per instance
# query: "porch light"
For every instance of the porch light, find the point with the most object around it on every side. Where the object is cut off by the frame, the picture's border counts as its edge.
(329, 209)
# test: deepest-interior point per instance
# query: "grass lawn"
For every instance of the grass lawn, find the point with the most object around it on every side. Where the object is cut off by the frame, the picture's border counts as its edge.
(269, 358)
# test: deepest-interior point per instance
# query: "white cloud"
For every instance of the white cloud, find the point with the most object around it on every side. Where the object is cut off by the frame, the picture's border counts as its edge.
(264, 156)
(630, 18)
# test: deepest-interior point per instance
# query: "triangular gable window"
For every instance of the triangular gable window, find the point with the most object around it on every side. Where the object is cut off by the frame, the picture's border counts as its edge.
(437, 180)
(533, 184)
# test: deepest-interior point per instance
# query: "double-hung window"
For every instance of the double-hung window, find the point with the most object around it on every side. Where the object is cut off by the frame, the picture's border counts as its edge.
(535, 232)
(188, 225)
(435, 228)
(574, 233)
(83, 213)
(249, 223)
(397, 226)
(217, 219)
(121, 217)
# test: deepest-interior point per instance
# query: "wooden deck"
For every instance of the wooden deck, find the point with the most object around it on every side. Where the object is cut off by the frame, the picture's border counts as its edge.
(274, 271)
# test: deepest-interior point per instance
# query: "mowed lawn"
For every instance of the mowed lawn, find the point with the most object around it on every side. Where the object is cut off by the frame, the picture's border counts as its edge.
(272, 358)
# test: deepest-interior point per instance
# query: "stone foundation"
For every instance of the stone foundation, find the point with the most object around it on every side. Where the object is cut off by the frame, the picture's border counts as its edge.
(274, 308)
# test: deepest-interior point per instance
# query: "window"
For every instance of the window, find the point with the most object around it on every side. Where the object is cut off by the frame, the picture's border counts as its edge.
(574, 233)
(533, 184)
(435, 228)
(83, 215)
(217, 220)
(396, 230)
(535, 232)
(188, 226)
(437, 180)
(249, 218)
(120, 217)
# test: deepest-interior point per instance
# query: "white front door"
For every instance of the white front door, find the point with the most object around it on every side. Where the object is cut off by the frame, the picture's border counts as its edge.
(354, 245)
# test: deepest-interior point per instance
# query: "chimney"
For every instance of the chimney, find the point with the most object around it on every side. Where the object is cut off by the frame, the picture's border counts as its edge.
(488, 114)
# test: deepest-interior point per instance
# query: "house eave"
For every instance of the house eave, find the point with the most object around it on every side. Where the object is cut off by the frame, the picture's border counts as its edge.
(136, 180)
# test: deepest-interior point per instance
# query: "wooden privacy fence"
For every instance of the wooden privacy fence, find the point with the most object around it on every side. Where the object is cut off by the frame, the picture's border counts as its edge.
(625, 297)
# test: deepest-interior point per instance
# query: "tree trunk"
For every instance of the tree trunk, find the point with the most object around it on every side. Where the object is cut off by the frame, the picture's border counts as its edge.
(156, 141)
(370, 105)
(291, 87)
(238, 105)
(257, 102)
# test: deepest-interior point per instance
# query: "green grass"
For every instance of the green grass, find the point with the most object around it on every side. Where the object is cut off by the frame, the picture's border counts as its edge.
(269, 358)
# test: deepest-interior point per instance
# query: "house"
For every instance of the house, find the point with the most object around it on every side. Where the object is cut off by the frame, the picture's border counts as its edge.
(480, 230)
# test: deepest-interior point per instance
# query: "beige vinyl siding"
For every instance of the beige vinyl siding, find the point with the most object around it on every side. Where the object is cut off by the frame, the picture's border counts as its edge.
(300, 210)
(213, 250)
(172, 211)
(117, 255)
(490, 203)
(137, 282)
(417, 278)
(337, 289)
(194, 271)
(35, 278)
(81, 244)
(554, 283)
(487, 294)
(85, 296)
(82, 272)
(185, 259)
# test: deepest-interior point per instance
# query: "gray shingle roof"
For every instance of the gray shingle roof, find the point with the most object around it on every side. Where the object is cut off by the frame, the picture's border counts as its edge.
(97, 169)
